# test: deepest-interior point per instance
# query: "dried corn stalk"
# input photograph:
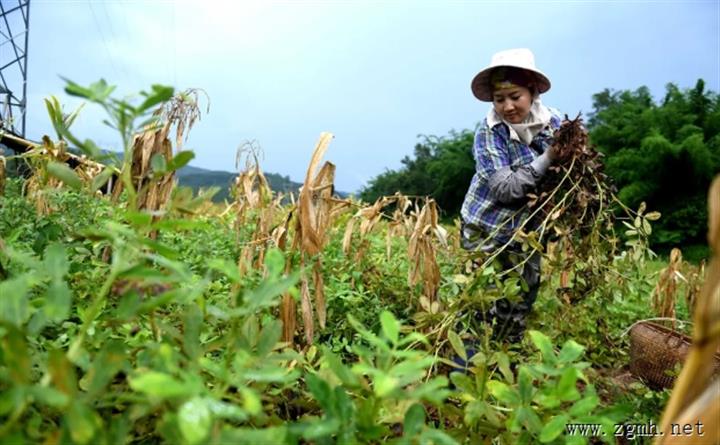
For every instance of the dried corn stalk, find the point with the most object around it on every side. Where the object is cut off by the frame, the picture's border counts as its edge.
(696, 396)
(315, 211)
(152, 193)
(695, 278)
(314, 207)
(183, 109)
(253, 194)
(401, 223)
(665, 292)
(368, 218)
(421, 251)
(40, 180)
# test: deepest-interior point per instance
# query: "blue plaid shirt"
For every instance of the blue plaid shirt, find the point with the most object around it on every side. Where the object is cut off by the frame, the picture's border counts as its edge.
(493, 149)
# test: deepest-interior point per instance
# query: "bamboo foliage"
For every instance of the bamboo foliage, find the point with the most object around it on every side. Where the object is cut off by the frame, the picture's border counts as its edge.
(696, 396)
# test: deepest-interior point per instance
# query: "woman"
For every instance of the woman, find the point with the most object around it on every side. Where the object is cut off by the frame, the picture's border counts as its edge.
(512, 153)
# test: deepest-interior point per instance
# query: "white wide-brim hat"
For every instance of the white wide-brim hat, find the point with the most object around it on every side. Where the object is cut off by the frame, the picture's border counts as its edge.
(517, 58)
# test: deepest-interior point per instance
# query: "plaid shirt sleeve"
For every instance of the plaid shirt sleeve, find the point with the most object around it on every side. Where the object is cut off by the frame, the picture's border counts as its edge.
(489, 157)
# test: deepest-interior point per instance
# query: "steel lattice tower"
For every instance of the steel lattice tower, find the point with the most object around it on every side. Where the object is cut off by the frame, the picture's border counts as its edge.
(14, 23)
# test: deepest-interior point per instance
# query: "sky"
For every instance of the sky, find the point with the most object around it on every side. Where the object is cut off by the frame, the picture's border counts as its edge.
(376, 74)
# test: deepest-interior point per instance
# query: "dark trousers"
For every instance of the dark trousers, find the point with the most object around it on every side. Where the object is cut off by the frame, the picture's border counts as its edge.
(509, 318)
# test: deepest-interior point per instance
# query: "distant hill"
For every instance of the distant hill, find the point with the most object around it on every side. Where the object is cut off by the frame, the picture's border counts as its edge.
(197, 178)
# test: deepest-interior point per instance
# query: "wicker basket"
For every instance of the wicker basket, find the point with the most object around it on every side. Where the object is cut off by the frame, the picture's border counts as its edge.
(655, 351)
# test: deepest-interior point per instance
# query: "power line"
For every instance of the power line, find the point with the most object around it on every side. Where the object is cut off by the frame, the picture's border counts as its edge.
(114, 38)
(102, 36)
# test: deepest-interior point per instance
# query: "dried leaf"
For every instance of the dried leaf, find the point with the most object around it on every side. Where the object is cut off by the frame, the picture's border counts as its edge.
(319, 294)
(306, 308)
(347, 237)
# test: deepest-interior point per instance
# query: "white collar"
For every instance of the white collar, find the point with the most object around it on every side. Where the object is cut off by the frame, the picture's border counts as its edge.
(537, 119)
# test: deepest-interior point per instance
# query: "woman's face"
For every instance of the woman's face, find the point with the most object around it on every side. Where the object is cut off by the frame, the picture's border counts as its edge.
(512, 103)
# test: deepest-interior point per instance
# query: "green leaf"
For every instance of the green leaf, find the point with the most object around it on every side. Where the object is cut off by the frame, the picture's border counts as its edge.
(414, 420)
(553, 428)
(158, 163)
(457, 344)
(384, 384)
(195, 420)
(254, 436)
(158, 384)
(64, 173)
(547, 400)
(529, 419)
(82, 422)
(266, 293)
(269, 337)
(224, 410)
(462, 382)
(62, 373)
(503, 362)
(49, 396)
(227, 268)
(504, 393)
(108, 362)
(525, 385)
(274, 262)
(13, 300)
(58, 299)
(181, 159)
(434, 391)
(566, 387)
(543, 343)
(438, 437)
(56, 261)
(317, 429)
(251, 401)
(390, 326)
(584, 406)
(15, 355)
(341, 371)
(158, 94)
(192, 325)
(320, 390)
(138, 219)
(570, 352)
(74, 89)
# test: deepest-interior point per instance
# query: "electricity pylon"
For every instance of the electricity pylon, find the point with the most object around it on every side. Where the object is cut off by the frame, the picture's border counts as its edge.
(14, 23)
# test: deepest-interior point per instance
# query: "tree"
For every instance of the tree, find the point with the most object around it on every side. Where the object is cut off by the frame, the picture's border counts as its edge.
(441, 168)
(664, 154)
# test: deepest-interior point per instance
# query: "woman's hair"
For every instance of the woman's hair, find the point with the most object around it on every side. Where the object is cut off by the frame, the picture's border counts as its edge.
(515, 76)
